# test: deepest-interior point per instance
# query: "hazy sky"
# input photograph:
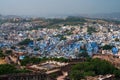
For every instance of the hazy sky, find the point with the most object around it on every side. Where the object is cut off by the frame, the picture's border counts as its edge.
(54, 7)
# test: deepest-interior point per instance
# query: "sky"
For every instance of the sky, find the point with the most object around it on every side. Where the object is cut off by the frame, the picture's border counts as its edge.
(57, 7)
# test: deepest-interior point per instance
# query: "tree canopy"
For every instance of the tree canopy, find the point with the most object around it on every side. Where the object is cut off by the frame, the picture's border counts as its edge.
(1, 53)
(8, 69)
(25, 42)
(107, 47)
(93, 67)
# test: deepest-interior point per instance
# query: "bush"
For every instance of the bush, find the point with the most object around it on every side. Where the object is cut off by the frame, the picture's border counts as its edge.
(6, 69)
(8, 52)
(91, 68)
(76, 75)
(25, 42)
(117, 40)
(1, 54)
(102, 67)
(107, 47)
(28, 60)
(117, 73)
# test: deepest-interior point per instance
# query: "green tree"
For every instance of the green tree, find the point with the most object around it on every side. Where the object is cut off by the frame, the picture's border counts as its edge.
(76, 75)
(40, 39)
(117, 73)
(102, 67)
(13, 47)
(28, 60)
(83, 54)
(22, 48)
(62, 38)
(89, 73)
(91, 68)
(7, 69)
(107, 47)
(60, 59)
(90, 30)
(117, 40)
(8, 52)
(25, 42)
(36, 49)
(1, 54)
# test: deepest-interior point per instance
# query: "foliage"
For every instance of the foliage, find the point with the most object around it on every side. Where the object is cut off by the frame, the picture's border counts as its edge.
(28, 60)
(102, 67)
(13, 47)
(89, 73)
(107, 47)
(74, 19)
(76, 75)
(62, 38)
(40, 39)
(25, 42)
(113, 21)
(60, 59)
(8, 52)
(54, 75)
(8, 69)
(91, 30)
(68, 19)
(54, 23)
(22, 71)
(1, 54)
(68, 32)
(92, 67)
(117, 73)
(22, 48)
(94, 22)
(117, 40)
(36, 49)
(83, 54)
(53, 26)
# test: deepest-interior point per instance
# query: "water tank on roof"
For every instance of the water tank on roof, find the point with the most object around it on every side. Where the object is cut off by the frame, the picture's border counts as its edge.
(115, 50)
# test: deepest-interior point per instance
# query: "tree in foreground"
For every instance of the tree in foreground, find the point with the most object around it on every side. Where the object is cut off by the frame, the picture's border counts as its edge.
(9, 69)
(93, 67)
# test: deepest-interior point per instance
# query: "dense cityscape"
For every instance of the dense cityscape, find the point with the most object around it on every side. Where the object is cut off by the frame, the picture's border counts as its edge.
(39, 37)
(52, 45)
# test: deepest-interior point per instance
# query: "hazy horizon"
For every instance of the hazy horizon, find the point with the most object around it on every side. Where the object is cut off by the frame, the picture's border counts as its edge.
(45, 8)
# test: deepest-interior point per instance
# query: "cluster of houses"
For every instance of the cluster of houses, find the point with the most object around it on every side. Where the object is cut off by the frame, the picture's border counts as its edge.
(67, 41)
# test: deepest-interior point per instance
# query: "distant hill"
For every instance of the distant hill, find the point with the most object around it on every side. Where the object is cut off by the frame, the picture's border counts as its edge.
(113, 16)
(12, 16)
